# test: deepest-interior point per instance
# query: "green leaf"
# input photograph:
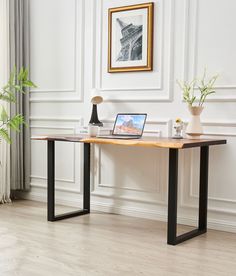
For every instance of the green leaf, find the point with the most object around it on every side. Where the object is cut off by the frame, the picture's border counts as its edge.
(6, 98)
(5, 135)
(188, 91)
(15, 122)
(17, 87)
(21, 74)
(3, 115)
(29, 83)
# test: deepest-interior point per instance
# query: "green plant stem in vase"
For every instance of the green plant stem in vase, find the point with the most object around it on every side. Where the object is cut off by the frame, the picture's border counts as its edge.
(195, 104)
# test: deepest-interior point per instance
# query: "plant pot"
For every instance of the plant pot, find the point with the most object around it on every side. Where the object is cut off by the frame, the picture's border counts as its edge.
(194, 129)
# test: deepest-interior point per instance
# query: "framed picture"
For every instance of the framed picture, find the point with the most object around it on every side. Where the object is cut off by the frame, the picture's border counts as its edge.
(130, 38)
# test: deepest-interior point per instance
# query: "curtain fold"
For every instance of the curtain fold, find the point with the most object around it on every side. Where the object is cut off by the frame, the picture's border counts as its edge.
(19, 56)
(4, 74)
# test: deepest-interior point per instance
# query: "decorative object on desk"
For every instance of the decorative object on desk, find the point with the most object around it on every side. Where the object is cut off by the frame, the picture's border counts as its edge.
(17, 83)
(96, 99)
(130, 38)
(178, 129)
(194, 128)
(93, 130)
(206, 87)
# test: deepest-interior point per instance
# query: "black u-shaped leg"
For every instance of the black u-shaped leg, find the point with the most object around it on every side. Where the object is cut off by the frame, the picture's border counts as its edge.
(51, 185)
(172, 239)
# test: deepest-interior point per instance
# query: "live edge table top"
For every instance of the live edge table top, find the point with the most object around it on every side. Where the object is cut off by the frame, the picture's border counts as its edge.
(142, 142)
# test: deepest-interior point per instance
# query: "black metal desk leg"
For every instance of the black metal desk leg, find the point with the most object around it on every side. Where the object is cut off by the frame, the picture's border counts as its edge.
(172, 197)
(51, 185)
(51, 180)
(203, 188)
(87, 177)
(173, 239)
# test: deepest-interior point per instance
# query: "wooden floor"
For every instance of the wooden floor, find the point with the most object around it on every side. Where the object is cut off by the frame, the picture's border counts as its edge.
(104, 244)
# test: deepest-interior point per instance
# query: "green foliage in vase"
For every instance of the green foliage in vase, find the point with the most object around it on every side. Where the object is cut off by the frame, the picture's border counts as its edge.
(17, 83)
(205, 87)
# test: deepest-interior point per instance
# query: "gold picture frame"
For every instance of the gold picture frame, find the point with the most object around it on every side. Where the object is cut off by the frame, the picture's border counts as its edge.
(130, 38)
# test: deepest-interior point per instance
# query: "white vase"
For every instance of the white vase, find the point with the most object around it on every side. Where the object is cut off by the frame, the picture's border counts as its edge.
(194, 129)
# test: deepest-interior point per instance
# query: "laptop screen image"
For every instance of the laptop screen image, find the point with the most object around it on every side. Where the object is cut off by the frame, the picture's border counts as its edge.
(129, 124)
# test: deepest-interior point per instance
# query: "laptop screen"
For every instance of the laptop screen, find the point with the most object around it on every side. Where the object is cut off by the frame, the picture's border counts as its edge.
(129, 124)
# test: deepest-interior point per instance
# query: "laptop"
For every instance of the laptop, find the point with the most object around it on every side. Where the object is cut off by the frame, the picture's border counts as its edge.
(127, 126)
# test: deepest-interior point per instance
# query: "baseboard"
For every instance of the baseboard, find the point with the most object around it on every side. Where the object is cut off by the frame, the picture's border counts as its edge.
(215, 224)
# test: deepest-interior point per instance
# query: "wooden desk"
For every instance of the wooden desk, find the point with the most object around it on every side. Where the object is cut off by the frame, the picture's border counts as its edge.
(173, 145)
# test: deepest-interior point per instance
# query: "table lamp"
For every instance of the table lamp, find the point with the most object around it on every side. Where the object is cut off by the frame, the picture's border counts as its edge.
(96, 99)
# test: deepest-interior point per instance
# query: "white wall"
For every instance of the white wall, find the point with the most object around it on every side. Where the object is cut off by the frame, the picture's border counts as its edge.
(69, 57)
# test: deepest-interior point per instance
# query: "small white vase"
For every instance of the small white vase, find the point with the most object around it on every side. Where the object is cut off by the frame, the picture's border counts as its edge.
(194, 129)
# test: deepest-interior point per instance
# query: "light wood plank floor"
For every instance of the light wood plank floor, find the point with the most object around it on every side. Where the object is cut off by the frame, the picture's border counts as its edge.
(104, 244)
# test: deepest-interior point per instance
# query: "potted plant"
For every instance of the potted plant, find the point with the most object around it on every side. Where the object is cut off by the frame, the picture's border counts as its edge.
(17, 83)
(195, 104)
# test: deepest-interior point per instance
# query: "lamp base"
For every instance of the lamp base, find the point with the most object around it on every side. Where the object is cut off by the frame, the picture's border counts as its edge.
(94, 117)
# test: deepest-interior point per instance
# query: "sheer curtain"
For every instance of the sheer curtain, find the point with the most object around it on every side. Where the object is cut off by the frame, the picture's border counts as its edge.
(4, 73)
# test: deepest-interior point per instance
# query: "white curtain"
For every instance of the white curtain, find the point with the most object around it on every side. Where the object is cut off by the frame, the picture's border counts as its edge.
(4, 74)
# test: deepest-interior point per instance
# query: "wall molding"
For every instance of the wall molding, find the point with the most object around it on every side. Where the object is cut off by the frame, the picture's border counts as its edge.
(38, 124)
(191, 56)
(59, 180)
(105, 190)
(60, 189)
(99, 184)
(77, 91)
(57, 119)
(188, 198)
(56, 179)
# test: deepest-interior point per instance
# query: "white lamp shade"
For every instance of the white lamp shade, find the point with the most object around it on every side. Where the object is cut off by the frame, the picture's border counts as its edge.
(96, 98)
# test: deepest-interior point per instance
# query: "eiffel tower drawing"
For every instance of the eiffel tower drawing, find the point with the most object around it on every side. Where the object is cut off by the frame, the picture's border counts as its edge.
(131, 41)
